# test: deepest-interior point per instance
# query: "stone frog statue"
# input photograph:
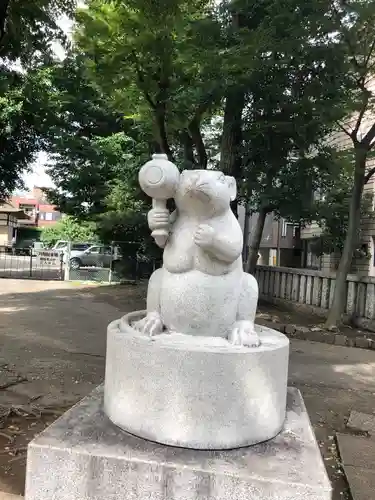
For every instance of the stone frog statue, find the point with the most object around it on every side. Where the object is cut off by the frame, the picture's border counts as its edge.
(201, 289)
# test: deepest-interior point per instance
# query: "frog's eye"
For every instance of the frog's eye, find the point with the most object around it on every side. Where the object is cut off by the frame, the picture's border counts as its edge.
(222, 178)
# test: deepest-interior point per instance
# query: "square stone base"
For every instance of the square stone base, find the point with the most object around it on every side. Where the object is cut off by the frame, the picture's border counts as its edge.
(83, 456)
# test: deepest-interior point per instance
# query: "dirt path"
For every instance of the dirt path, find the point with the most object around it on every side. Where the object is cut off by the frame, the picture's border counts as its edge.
(52, 348)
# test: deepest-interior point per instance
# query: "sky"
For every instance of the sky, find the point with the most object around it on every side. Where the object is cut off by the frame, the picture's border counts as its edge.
(38, 176)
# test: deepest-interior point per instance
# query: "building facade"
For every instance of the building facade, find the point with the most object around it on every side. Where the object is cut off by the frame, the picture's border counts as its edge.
(10, 220)
(36, 206)
(280, 244)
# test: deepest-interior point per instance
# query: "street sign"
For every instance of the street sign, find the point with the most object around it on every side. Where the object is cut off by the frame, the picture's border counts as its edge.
(49, 258)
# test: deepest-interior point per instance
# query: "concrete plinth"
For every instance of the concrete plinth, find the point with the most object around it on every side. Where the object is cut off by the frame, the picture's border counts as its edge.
(83, 456)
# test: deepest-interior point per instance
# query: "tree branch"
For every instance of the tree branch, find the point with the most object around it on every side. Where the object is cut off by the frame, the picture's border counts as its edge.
(160, 113)
(3, 17)
(187, 143)
(141, 80)
(369, 174)
(365, 100)
(161, 110)
(195, 131)
(369, 137)
(158, 106)
(352, 50)
(369, 55)
(349, 134)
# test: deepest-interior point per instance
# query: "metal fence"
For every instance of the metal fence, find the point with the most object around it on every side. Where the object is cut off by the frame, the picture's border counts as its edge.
(114, 263)
(32, 265)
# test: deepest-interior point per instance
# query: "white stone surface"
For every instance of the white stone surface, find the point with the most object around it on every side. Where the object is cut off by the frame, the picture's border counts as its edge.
(193, 370)
(201, 288)
(196, 392)
(159, 178)
(82, 456)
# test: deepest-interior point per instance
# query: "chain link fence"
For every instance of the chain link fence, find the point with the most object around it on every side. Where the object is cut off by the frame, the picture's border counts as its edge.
(114, 263)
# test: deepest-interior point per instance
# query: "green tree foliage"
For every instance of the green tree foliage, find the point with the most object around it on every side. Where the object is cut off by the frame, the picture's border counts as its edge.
(91, 146)
(293, 101)
(69, 229)
(135, 51)
(334, 220)
(147, 57)
(353, 22)
(23, 100)
(27, 30)
(267, 74)
(96, 154)
(332, 212)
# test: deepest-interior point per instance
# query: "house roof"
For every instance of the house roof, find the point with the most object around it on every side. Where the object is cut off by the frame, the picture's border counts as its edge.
(8, 208)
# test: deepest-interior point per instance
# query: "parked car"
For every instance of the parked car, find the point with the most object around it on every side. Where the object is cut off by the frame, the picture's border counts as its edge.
(94, 256)
(28, 247)
(37, 247)
(62, 245)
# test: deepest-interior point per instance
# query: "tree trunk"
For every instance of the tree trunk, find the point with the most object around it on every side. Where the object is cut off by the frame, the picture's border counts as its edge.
(246, 230)
(195, 131)
(255, 241)
(339, 297)
(188, 146)
(230, 150)
(160, 113)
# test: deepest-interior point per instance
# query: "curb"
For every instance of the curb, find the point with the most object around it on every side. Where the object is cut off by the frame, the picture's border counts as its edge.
(304, 333)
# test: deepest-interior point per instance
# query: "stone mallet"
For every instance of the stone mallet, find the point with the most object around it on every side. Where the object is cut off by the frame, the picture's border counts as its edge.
(159, 179)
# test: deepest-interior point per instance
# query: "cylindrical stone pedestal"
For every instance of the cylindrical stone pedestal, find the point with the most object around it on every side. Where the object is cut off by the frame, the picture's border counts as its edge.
(195, 392)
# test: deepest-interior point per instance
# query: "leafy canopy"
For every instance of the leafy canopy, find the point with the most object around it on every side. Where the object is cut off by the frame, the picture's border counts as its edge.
(70, 229)
(27, 30)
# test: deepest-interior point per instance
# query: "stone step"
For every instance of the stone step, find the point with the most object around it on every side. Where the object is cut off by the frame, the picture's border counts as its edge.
(363, 422)
(358, 459)
(9, 496)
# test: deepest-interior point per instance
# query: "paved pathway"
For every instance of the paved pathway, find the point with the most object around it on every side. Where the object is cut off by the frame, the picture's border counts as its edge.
(53, 334)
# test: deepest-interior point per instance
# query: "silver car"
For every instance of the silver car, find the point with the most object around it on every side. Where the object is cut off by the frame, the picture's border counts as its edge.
(94, 256)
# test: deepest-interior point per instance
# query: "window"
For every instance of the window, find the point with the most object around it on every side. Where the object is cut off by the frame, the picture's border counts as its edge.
(49, 216)
(27, 209)
(80, 246)
(284, 229)
(95, 250)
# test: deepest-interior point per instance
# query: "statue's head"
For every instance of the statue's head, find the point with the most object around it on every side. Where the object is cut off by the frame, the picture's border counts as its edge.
(205, 192)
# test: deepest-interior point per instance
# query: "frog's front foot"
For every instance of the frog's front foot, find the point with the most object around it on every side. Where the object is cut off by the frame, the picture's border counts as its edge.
(150, 325)
(243, 333)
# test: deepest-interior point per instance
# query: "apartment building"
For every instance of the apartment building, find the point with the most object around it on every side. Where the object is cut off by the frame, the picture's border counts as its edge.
(36, 206)
(280, 244)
